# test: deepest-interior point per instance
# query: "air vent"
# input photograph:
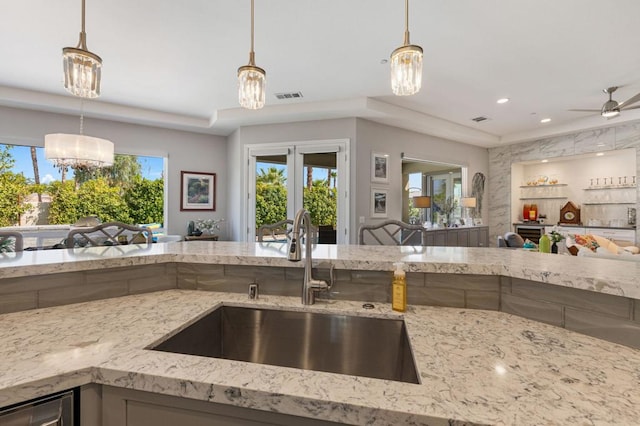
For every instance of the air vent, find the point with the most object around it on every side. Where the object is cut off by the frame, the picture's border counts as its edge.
(289, 95)
(479, 119)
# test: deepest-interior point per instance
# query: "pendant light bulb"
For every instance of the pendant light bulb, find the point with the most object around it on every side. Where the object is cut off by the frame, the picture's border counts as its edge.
(82, 68)
(406, 64)
(251, 79)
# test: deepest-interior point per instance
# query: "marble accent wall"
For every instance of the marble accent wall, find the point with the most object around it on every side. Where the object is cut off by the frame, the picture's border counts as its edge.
(623, 136)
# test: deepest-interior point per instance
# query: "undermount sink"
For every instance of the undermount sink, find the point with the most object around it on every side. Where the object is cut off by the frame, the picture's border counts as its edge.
(345, 344)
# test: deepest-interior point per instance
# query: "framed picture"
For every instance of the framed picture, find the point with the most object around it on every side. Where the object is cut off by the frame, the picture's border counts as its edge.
(477, 221)
(197, 191)
(379, 167)
(378, 202)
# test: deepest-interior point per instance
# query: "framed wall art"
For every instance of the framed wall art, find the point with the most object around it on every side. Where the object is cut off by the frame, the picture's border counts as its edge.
(379, 202)
(197, 191)
(379, 167)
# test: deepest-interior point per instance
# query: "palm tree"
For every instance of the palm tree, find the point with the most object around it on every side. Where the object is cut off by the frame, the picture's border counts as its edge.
(272, 176)
(36, 173)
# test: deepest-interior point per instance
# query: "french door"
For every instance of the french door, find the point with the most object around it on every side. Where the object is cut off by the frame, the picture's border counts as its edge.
(282, 178)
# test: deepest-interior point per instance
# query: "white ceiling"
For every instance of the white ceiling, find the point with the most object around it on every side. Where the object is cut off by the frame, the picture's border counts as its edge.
(173, 63)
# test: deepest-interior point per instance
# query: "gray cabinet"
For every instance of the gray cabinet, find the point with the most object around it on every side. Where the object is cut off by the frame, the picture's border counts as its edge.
(126, 407)
(475, 236)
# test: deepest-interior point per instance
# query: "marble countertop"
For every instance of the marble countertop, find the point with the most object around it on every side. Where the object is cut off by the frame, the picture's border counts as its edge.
(600, 275)
(479, 367)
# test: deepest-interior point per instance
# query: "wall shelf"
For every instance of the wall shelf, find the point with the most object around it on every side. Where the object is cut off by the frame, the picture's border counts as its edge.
(611, 187)
(543, 198)
(543, 186)
(607, 203)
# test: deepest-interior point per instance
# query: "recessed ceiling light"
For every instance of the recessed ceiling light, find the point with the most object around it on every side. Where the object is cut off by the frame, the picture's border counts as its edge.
(503, 100)
(545, 161)
(600, 154)
(384, 61)
(545, 120)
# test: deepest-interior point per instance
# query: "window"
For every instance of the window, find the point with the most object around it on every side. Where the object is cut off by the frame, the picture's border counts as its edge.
(35, 193)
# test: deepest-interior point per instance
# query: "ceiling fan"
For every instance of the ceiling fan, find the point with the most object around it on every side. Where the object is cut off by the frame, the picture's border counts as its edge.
(612, 108)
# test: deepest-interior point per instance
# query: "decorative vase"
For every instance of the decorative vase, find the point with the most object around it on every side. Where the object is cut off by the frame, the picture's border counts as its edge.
(554, 248)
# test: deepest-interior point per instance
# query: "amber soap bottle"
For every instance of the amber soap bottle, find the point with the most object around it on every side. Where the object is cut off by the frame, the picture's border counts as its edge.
(399, 288)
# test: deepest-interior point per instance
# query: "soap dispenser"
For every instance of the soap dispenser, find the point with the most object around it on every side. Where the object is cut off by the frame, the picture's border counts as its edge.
(399, 288)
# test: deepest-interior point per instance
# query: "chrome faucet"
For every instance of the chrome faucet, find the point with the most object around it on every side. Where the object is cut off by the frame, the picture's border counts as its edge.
(310, 286)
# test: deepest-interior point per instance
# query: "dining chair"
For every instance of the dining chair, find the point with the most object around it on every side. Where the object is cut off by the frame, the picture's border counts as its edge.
(281, 231)
(108, 234)
(392, 232)
(10, 241)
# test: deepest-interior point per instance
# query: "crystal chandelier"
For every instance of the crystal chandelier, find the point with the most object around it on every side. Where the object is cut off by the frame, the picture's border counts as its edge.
(78, 151)
(251, 80)
(82, 68)
(406, 64)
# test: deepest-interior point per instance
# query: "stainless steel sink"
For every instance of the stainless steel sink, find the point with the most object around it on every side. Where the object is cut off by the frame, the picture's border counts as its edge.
(359, 346)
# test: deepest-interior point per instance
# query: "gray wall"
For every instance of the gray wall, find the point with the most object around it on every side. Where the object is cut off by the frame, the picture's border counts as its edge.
(394, 141)
(365, 136)
(270, 133)
(185, 151)
(623, 136)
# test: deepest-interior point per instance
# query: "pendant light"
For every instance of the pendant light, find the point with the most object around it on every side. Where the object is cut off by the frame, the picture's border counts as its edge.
(82, 68)
(406, 64)
(78, 151)
(251, 80)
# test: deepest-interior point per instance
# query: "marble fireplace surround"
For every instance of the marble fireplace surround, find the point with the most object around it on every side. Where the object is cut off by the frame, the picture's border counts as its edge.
(501, 158)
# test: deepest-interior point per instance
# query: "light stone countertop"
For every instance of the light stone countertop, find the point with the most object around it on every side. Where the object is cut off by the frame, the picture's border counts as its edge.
(481, 367)
(621, 278)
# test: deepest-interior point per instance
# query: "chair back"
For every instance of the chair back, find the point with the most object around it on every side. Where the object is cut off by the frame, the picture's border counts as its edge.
(392, 232)
(281, 231)
(6, 243)
(108, 234)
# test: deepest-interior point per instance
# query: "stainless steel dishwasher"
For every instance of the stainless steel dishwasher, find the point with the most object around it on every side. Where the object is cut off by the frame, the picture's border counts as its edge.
(52, 410)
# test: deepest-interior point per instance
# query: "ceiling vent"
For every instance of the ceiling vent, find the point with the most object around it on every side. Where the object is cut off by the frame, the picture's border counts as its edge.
(289, 95)
(479, 119)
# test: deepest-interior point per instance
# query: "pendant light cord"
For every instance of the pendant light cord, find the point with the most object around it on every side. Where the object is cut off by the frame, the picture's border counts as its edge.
(252, 55)
(406, 22)
(82, 43)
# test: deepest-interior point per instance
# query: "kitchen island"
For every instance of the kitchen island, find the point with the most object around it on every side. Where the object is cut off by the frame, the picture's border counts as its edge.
(478, 367)
(475, 366)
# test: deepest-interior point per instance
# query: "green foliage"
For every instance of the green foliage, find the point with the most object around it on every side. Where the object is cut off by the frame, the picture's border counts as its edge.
(271, 176)
(13, 190)
(123, 173)
(64, 203)
(97, 198)
(6, 159)
(94, 198)
(145, 200)
(320, 202)
(271, 203)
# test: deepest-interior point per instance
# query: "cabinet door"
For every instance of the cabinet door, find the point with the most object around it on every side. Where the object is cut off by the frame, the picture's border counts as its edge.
(440, 238)
(463, 237)
(126, 407)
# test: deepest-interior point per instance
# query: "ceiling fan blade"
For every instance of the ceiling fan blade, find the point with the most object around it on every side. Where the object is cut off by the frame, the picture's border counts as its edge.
(631, 100)
(631, 107)
(584, 110)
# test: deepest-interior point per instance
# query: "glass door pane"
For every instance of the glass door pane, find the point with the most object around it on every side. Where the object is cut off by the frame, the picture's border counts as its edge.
(271, 192)
(319, 193)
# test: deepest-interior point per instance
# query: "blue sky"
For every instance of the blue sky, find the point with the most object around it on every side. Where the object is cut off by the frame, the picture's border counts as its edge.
(151, 167)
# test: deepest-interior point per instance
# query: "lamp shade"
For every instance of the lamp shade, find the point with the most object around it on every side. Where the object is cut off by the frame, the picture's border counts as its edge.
(406, 70)
(422, 202)
(251, 87)
(468, 201)
(78, 150)
(82, 71)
